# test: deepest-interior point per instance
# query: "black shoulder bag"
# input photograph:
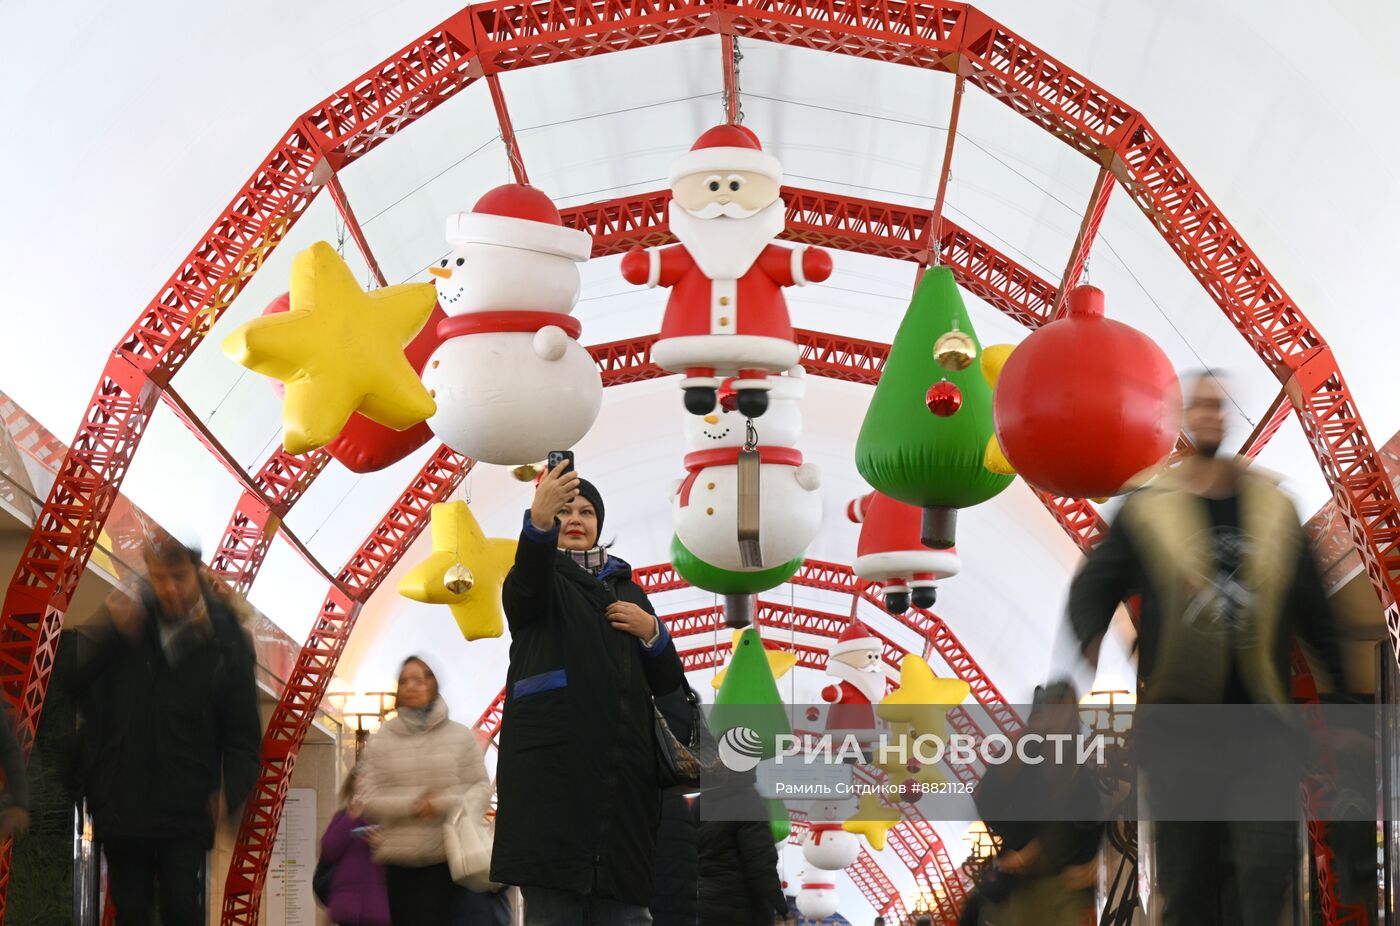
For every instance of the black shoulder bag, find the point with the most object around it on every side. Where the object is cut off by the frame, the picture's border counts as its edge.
(681, 764)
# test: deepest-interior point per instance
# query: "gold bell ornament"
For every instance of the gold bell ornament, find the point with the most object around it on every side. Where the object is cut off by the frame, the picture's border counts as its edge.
(458, 579)
(955, 350)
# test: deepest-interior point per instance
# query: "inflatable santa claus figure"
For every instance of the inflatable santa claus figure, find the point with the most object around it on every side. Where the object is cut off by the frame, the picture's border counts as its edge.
(856, 660)
(510, 379)
(705, 505)
(890, 553)
(726, 316)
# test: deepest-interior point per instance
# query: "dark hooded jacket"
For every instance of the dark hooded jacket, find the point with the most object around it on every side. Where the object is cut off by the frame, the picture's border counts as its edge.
(739, 883)
(578, 800)
(161, 735)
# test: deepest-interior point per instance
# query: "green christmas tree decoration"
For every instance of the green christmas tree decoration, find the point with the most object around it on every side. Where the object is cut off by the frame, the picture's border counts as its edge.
(749, 696)
(778, 820)
(911, 454)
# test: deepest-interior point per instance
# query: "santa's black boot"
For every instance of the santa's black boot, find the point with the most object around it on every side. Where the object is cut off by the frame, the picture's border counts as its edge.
(924, 597)
(896, 602)
(752, 402)
(700, 400)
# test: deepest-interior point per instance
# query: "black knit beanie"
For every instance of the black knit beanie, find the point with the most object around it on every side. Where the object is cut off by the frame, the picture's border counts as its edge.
(590, 492)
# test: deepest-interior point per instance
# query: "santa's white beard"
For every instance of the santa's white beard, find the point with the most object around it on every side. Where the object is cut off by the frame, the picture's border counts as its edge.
(724, 247)
(870, 684)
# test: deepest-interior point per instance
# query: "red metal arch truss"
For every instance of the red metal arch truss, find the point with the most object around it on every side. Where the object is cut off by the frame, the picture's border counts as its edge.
(488, 38)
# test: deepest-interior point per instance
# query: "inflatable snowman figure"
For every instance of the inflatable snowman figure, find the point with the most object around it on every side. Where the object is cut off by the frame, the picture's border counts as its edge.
(510, 379)
(826, 845)
(705, 504)
(891, 554)
(817, 898)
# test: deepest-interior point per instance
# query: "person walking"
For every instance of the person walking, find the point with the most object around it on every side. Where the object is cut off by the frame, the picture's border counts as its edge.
(578, 798)
(1227, 582)
(416, 770)
(14, 797)
(359, 895)
(739, 882)
(170, 734)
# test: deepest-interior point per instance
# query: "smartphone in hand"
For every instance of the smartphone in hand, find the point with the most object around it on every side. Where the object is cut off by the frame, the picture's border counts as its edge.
(363, 832)
(559, 456)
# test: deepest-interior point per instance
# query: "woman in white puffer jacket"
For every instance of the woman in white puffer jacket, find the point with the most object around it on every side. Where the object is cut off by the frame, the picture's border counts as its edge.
(415, 770)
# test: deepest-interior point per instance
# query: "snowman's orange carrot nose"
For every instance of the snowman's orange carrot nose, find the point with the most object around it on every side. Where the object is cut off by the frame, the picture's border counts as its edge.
(712, 419)
(442, 272)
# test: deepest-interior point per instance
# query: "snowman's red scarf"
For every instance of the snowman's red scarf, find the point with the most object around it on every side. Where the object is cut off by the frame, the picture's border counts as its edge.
(729, 456)
(496, 322)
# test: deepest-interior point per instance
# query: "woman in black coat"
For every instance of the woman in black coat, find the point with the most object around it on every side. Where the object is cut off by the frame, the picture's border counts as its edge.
(578, 800)
(739, 883)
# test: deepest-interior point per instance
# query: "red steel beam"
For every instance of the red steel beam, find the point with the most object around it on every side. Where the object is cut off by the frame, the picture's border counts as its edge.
(498, 100)
(1084, 240)
(250, 486)
(860, 225)
(352, 225)
(946, 172)
(381, 549)
(278, 484)
(1268, 426)
(505, 35)
(838, 578)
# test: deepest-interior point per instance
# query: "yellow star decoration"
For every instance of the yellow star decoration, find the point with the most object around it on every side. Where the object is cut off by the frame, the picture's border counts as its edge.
(780, 661)
(918, 707)
(338, 350)
(993, 359)
(922, 699)
(895, 762)
(872, 821)
(458, 541)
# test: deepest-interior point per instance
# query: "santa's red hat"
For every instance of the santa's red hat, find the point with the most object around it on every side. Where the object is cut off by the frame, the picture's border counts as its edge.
(518, 216)
(856, 638)
(725, 149)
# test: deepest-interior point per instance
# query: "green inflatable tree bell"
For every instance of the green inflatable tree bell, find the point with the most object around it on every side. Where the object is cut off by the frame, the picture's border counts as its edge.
(749, 696)
(927, 427)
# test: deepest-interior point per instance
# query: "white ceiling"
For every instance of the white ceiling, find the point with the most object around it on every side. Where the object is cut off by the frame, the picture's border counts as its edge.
(129, 128)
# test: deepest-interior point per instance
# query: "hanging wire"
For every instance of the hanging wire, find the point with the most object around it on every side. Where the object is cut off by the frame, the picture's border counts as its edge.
(714, 637)
(792, 641)
(353, 486)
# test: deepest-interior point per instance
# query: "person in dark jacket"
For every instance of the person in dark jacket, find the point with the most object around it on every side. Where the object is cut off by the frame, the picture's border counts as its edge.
(1227, 582)
(578, 799)
(739, 882)
(171, 732)
(14, 799)
(675, 899)
(1043, 874)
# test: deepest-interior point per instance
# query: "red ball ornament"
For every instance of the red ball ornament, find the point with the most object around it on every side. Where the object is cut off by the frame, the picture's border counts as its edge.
(813, 714)
(944, 398)
(1087, 407)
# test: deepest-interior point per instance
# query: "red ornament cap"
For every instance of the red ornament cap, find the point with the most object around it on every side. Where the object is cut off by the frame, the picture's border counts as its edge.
(1086, 301)
(728, 136)
(518, 201)
(518, 216)
(944, 398)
